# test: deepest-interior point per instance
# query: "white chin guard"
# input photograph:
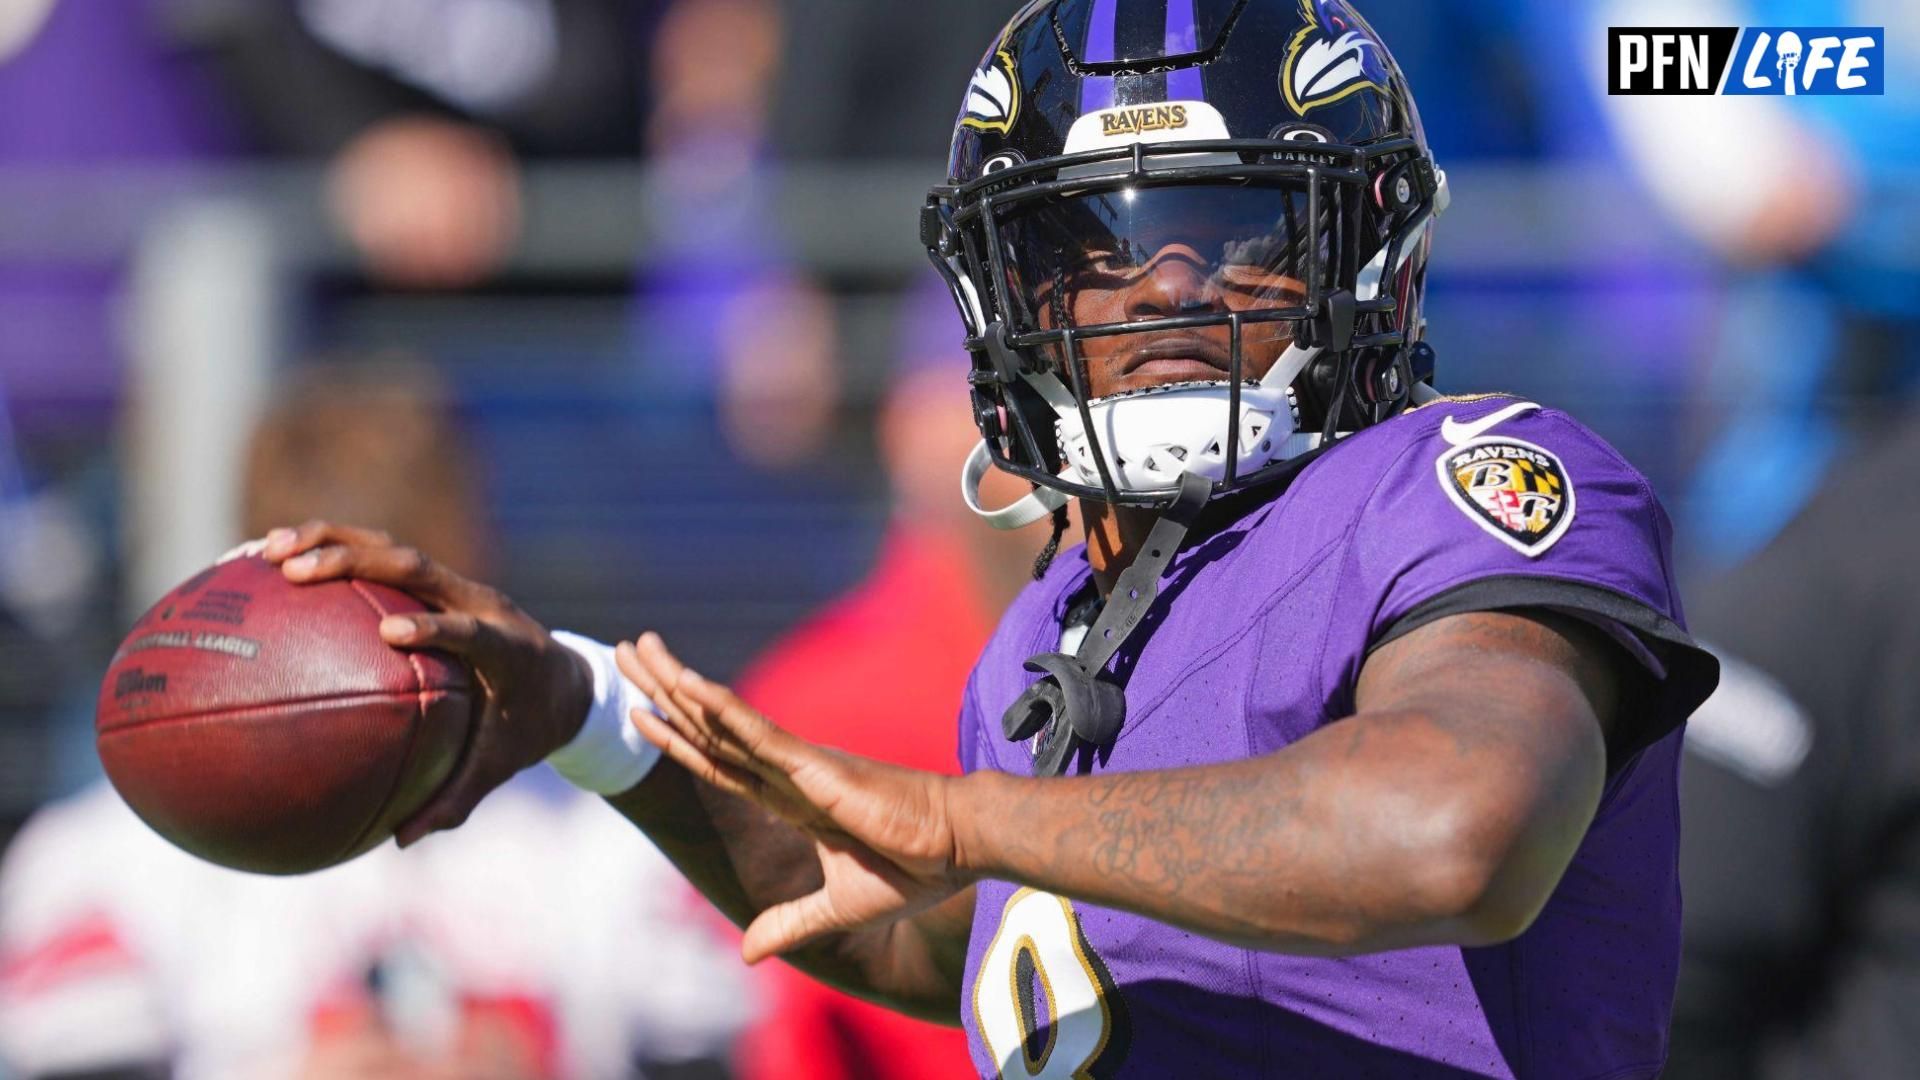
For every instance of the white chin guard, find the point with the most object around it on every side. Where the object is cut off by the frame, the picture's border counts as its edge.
(1151, 437)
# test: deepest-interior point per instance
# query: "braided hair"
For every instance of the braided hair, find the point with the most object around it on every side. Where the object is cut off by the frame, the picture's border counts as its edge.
(1045, 559)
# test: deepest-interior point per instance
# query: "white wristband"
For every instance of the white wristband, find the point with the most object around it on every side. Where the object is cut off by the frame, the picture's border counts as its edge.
(609, 755)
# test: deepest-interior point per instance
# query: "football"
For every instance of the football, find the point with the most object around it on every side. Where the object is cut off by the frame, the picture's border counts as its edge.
(265, 726)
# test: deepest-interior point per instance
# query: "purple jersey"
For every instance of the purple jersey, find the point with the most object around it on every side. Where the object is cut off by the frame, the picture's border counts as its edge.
(1462, 505)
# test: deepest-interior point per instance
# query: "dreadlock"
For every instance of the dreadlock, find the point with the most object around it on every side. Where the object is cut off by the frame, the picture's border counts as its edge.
(1063, 318)
(1045, 559)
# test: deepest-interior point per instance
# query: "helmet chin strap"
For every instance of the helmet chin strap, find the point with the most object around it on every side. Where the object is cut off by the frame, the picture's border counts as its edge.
(1020, 513)
(1289, 366)
(1076, 704)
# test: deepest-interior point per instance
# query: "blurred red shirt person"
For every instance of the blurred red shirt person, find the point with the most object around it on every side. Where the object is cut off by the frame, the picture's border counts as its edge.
(880, 673)
(914, 628)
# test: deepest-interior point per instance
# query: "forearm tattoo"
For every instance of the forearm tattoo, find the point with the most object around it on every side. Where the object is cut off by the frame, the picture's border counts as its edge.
(1323, 838)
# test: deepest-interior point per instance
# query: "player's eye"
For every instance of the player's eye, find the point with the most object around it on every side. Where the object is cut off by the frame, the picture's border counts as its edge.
(1118, 261)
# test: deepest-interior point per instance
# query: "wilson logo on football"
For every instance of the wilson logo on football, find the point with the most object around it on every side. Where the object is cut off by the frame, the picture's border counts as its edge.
(1515, 490)
(993, 97)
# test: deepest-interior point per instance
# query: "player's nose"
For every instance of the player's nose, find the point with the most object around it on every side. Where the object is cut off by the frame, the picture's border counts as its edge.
(1175, 282)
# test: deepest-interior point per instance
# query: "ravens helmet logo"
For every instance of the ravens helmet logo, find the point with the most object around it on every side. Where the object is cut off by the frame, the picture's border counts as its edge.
(1333, 56)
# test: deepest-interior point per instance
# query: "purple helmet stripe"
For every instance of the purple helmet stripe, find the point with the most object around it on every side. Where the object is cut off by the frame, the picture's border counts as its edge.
(1097, 90)
(1180, 30)
(1183, 84)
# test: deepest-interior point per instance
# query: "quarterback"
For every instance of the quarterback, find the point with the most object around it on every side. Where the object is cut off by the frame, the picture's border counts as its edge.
(1346, 744)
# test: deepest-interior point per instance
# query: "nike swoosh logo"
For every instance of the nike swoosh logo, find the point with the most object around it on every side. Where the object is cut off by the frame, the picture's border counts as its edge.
(1456, 432)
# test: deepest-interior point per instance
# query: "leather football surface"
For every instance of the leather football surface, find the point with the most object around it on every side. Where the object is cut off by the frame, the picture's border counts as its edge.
(265, 726)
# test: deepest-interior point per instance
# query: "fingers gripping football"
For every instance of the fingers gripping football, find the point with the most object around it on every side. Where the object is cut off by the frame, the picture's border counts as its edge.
(534, 692)
(323, 551)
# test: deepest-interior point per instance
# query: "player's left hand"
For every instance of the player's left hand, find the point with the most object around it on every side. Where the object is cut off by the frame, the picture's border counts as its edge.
(885, 842)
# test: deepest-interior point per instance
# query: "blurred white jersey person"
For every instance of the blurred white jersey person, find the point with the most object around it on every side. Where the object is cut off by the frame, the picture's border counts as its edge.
(549, 941)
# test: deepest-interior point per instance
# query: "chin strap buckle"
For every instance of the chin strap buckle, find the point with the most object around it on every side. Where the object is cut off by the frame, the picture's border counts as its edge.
(1000, 353)
(1075, 705)
(1333, 328)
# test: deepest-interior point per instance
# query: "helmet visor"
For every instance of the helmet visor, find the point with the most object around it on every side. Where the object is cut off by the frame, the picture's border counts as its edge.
(1129, 253)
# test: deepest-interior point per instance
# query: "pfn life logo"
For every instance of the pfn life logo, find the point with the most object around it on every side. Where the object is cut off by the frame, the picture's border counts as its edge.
(1780, 60)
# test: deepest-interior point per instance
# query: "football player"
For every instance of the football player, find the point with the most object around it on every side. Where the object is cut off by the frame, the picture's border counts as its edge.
(1346, 744)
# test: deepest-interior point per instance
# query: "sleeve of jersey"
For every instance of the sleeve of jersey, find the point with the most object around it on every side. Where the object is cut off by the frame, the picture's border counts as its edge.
(1536, 512)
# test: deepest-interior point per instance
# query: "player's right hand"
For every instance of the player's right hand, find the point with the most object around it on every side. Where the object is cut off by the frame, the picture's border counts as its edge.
(534, 692)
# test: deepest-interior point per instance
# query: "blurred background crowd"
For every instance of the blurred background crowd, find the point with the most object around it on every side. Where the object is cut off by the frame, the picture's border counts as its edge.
(619, 304)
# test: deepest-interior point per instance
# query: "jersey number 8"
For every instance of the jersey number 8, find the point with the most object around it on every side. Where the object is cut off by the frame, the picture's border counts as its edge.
(1043, 1002)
